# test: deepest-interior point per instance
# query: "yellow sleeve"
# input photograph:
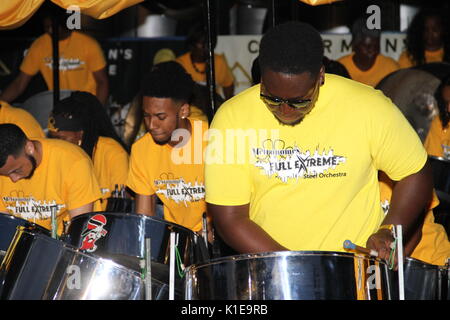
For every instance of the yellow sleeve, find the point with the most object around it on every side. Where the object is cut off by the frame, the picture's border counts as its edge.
(95, 56)
(226, 78)
(433, 140)
(33, 59)
(395, 146)
(227, 182)
(81, 184)
(404, 61)
(138, 179)
(30, 125)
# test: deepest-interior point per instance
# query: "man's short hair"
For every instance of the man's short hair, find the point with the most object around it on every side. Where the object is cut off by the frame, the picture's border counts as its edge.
(168, 80)
(360, 31)
(12, 141)
(292, 48)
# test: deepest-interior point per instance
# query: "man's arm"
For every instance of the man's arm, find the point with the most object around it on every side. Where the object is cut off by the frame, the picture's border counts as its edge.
(101, 79)
(16, 88)
(239, 232)
(146, 204)
(81, 210)
(411, 197)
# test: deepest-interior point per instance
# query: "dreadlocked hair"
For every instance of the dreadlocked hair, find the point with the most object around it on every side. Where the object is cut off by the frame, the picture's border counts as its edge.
(95, 121)
(442, 105)
(415, 46)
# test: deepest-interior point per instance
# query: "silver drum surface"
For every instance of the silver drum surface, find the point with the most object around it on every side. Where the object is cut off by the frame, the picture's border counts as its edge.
(121, 238)
(290, 275)
(422, 281)
(37, 267)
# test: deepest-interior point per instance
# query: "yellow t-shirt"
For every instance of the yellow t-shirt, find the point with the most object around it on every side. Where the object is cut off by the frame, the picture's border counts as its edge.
(175, 175)
(110, 166)
(382, 67)
(64, 178)
(437, 136)
(22, 118)
(404, 61)
(434, 246)
(79, 56)
(313, 185)
(223, 75)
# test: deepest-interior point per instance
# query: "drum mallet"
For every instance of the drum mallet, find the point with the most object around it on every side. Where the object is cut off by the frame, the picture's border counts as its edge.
(205, 229)
(351, 246)
(54, 223)
(148, 269)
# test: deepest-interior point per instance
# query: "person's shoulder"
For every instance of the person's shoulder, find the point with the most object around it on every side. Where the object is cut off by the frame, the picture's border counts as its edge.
(143, 143)
(109, 144)
(348, 90)
(63, 151)
(183, 57)
(388, 60)
(346, 58)
(83, 36)
(241, 107)
(41, 41)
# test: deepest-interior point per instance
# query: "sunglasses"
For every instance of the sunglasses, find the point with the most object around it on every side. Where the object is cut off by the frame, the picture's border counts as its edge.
(276, 102)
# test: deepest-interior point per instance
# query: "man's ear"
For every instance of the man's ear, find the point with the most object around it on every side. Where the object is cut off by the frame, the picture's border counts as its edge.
(185, 111)
(322, 75)
(29, 148)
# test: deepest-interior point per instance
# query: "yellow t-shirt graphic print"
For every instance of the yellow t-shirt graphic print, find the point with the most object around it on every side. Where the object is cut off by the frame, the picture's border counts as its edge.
(290, 162)
(175, 175)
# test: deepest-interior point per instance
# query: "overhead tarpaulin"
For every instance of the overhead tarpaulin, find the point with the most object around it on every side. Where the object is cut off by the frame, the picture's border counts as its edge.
(14, 13)
(318, 2)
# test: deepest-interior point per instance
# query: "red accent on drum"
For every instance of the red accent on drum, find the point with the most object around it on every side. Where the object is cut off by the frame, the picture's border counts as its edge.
(93, 231)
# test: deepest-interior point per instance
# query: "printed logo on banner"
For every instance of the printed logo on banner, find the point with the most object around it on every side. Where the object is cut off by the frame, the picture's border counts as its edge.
(93, 231)
(284, 163)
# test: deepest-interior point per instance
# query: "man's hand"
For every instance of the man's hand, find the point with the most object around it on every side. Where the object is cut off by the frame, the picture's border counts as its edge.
(381, 242)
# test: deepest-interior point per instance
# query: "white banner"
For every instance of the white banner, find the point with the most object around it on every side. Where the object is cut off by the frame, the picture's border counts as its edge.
(241, 50)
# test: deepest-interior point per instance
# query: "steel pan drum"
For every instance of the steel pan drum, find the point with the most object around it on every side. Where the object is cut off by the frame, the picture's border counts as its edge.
(423, 281)
(121, 237)
(37, 267)
(289, 275)
(8, 225)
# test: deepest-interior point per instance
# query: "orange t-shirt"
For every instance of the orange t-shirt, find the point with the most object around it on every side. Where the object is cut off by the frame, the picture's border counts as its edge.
(382, 67)
(64, 178)
(175, 175)
(110, 166)
(22, 118)
(223, 75)
(434, 246)
(437, 136)
(79, 56)
(430, 56)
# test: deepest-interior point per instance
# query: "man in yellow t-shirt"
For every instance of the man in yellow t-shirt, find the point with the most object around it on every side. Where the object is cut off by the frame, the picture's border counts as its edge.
(366, 64)
(288, 166)
(82, 65)
(22, 118)
(434, 246)
(425, 39)
(41, 175)
(194, 62)
(167, 162)
(82, 120)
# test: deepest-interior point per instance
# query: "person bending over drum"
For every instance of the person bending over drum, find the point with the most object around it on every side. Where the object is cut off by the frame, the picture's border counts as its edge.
(302, 171)
(437, 142)
(82, 120)
(167, 162)
(433, 246)
(41, 176)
